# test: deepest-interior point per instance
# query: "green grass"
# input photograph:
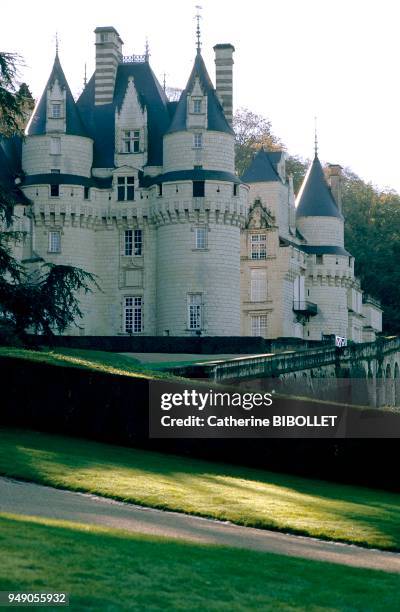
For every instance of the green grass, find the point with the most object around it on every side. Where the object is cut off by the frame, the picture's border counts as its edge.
(106, 569)
(104, 361)
(244, 496)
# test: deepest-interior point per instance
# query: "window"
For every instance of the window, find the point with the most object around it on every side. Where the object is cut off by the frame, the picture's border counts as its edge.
(138, 242)
(86, 193)
(55, 171)
(258, 289)
(319, 259)
(194, 311)
(126, 189)
(54, 191)
(197, 106)
(104, 37)
(259, 325)
(349, 262)
(159, 189)
(200, 234)
(55, 146)
(258, 246)
(235, 189)
(198, 141)
(131, 141)
(128, 242)
(198, 189)
(133, 315)
(54, 242)
(56, 110)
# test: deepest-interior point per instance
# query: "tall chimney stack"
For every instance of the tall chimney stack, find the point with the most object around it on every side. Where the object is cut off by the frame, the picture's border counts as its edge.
(334, 176)
(224, 77)
(108, 56)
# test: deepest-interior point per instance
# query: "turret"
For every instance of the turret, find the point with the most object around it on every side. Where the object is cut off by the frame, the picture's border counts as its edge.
(57, 141)
(200, 206)
(317, 214)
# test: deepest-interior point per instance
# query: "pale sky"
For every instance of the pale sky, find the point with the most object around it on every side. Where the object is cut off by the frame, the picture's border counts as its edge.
(294, 60)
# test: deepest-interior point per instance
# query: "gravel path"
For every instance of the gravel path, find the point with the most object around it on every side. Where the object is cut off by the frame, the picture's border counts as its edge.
(36, 500)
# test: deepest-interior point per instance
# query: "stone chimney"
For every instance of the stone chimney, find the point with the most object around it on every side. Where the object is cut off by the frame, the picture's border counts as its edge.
(223, 77)
(334, 177)
(108, 56)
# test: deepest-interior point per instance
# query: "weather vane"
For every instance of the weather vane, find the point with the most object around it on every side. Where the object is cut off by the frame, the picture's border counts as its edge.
(147, 50)
(57, 43)
(198, 17)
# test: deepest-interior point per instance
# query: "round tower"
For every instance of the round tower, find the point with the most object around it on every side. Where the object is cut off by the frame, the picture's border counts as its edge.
(57, 157)
(199, 207)
(330, 268)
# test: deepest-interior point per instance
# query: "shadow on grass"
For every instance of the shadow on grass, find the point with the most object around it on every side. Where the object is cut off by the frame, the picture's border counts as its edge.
(102, 568)
(244, 496)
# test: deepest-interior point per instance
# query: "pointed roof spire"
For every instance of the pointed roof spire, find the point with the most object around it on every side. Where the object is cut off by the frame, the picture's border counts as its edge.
(261, 169)
(147, 50)
(198, 32)
(38, 121)
(315, 198)
(216, 119)
(315, 138)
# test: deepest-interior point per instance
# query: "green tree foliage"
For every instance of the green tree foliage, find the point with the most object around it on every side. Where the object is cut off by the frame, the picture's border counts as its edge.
(45, 298)
(252, 132)
(372, 235)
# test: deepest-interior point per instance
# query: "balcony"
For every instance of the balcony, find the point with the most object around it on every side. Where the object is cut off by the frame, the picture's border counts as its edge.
(306, 308)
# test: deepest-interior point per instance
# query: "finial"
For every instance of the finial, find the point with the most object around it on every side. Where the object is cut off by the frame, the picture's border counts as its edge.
(198, 17)
(57, 43)
(315, 137)
(85, 77)
(147, 50)
(164, 82)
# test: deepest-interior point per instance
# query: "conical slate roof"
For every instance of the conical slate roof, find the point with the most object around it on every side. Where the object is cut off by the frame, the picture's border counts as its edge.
(261, 169)
(74, 125)
(315, 198)
(216, 119)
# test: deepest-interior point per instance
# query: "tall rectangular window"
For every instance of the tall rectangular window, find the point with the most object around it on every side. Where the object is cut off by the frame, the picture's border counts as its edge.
(128, 239)
(197, 106)
(259, 325)
(200, 235)
(258, 290)
(195, 311)
(258, 246)
(126, 188)
(198, 141)
(198, 189)
(55, 145)
(133, 315)
(54, 242)
(131, 141)
(54, 191)
(86, 193)
(319, 259)
(56, 110)
(138, 242)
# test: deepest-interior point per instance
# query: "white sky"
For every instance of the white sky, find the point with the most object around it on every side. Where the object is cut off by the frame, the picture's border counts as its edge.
(294, 59)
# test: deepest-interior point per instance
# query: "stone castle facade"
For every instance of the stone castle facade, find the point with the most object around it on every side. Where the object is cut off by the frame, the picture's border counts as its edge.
(142, 192)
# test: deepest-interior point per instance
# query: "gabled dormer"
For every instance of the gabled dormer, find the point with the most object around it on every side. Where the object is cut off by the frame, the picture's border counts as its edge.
(196, 106)
(131, 136)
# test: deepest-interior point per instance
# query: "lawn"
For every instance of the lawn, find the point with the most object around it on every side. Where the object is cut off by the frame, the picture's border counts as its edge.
(106, 569)
(241, 495)
(104, 361)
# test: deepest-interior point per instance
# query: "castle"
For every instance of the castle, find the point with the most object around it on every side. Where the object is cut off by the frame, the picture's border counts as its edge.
(142, 192)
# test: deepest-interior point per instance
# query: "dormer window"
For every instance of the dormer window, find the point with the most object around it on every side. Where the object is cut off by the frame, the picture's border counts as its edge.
(131, 141)
(56, 110)
(126, 188)
(197, 106)
(198, 141)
